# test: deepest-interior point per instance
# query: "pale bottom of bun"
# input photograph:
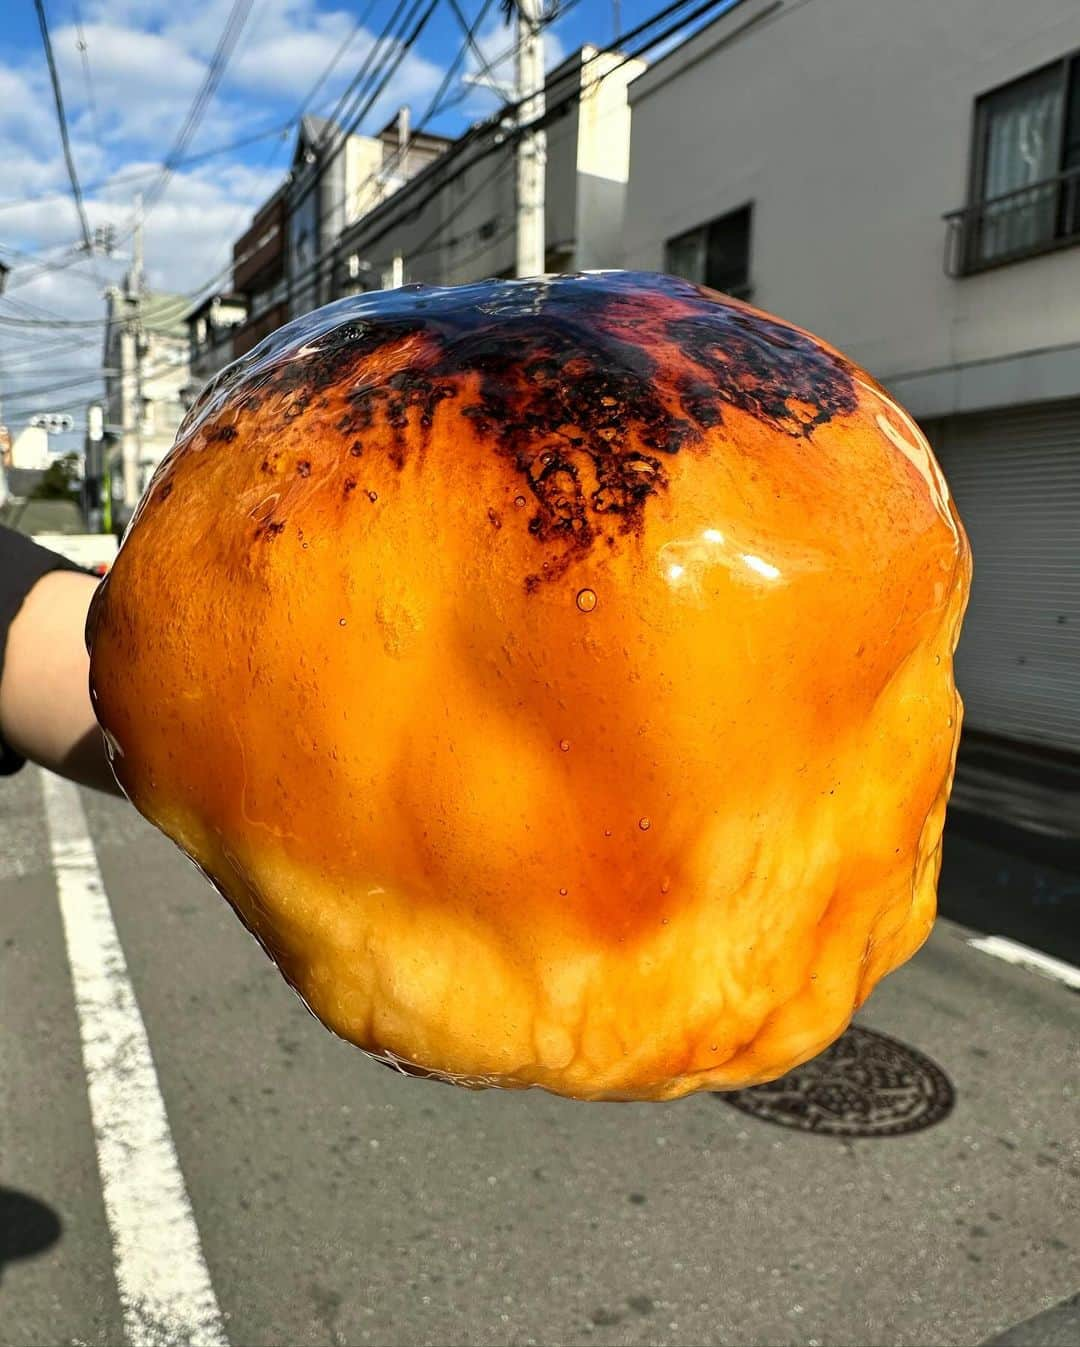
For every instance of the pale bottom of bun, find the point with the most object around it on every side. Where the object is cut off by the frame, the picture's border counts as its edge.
(743, 982)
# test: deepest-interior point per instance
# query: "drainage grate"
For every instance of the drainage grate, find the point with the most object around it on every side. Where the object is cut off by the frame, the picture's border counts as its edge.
(865, 1085)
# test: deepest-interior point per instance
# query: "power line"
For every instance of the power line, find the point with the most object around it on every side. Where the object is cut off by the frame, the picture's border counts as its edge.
(313, 92)
(362, 108)
(211, 282)
(552, 111)
(379, 77)
(91, 101)
(61, 116)
(141, 174)
(433, 108)
(6, 321)
(49, 350)
(413, 206)
(35, 394)
(219, 60)
(470, 37)
(399, 16)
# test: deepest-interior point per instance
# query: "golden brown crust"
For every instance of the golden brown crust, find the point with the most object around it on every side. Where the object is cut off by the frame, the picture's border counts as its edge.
(556, 676)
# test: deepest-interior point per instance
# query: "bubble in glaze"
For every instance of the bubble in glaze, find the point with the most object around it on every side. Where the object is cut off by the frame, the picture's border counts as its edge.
(564, 744)
(586, 600)
(644, 824)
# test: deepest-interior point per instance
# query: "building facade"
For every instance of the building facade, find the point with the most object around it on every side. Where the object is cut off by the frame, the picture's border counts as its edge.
(212, 325)
(334, 183)
(904, 180)
(283, 264)
(455, 221)
(258, 274)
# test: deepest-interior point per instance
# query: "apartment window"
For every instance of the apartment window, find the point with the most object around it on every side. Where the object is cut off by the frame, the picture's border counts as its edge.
(716, 254)
(1025, 190)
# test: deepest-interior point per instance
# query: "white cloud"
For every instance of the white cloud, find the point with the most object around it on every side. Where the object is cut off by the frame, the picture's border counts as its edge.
(143, 83)
(26, 121)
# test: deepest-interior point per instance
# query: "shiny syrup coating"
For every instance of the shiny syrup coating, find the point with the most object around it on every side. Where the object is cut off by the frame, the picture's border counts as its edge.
(555, 676)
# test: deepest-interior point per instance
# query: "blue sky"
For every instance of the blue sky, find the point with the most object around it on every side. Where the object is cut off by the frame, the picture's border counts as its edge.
(146, 58)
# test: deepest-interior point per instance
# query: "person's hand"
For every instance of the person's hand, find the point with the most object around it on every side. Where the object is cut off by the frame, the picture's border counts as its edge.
(45, 708)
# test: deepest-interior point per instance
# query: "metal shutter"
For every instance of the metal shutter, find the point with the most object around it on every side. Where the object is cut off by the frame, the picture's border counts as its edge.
(1015, 476)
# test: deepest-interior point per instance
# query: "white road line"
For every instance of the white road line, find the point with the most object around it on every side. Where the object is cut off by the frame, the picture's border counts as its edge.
(161, 1274)
(1013, 952)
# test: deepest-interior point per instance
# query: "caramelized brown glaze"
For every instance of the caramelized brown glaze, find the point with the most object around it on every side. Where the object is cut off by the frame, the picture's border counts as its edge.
(556, 676)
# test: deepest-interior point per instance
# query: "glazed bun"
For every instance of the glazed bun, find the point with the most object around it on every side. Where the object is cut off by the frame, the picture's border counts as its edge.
(555, 676)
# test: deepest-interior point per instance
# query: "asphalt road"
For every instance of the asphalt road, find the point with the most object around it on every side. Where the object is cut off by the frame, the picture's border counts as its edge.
(336, 1202)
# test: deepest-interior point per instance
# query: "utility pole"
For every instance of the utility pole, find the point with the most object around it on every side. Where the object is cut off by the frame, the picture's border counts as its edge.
(532, 145)
(131, 366)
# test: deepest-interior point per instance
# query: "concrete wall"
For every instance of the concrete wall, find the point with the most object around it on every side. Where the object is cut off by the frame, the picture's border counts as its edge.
(603, 157)
(848, 124)
(363, 181)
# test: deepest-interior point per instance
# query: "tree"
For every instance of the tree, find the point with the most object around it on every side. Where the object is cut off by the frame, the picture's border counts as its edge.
(60, 480)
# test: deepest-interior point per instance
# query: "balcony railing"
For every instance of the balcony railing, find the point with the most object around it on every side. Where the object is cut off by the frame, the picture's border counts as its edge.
(1024, 223)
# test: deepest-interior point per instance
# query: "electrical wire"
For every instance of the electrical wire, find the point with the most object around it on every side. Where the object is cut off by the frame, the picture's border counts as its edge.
(463, 144)
(437, 104)
(365, 107)
(496, 126)
(61, 117)
(142, 174)
(314, 91)
(552, 111)
(26, 358)
(208, 285)
(470, 37)
(230, 35)
(35, 394)
(91, 101)
(397, 17)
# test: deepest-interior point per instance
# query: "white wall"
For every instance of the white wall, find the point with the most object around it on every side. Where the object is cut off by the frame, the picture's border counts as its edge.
(848, 124)
(30, 448)
(603, 157)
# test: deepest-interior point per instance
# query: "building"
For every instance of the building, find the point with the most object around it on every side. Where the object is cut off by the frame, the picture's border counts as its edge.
(276, 262)
(146, 383)
(904, 180)
(258, 274)
(212, 325)
(456, 220)
(331, 185)
(29, 450)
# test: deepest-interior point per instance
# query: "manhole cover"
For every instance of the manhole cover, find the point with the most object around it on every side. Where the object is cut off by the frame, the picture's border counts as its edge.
(865, 1085)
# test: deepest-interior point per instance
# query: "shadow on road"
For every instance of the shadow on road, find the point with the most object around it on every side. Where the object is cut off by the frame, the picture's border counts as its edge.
(27, 1227)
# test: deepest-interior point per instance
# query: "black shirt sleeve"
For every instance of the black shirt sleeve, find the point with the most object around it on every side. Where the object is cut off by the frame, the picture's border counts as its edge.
(22, 564)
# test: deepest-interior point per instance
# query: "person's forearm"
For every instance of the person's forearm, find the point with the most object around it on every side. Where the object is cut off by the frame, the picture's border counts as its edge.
(45, 708)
